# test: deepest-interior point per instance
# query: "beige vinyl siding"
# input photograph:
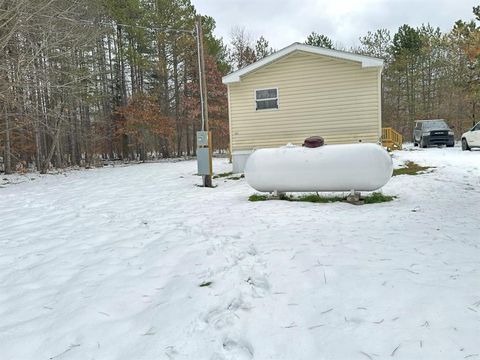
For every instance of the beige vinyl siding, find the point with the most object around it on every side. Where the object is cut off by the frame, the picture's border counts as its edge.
(318, 95)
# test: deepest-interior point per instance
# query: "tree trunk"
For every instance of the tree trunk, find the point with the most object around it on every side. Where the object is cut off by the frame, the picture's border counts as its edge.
(177, 100)
(45, 165)
(8, 154)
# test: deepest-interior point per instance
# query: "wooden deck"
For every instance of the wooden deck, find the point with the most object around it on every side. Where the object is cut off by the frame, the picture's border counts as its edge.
(391, 139)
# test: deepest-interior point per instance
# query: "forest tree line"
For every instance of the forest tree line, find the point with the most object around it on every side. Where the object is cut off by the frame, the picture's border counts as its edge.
(84, 81)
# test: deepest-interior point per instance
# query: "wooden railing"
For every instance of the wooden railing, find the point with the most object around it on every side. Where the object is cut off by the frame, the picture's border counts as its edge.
(391, 139)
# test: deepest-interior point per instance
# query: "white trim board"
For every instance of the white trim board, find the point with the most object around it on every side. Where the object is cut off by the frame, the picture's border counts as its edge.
(366, 61)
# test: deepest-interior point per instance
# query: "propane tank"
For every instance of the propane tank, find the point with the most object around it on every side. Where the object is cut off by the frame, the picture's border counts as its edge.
(359, 167)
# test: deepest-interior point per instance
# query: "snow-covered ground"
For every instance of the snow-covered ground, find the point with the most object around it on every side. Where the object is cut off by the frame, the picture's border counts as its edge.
(107, 264)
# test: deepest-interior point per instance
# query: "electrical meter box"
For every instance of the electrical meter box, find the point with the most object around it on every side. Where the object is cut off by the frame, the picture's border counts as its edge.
(202, 138)
(204, 153)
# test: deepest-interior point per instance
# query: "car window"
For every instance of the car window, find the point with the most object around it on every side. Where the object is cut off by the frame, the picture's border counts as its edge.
(477, 127)
(437, 125)
(418, 126)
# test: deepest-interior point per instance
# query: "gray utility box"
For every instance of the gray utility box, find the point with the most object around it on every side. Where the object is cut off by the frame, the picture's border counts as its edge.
(203, 161)
(202, 138)
(204, 156)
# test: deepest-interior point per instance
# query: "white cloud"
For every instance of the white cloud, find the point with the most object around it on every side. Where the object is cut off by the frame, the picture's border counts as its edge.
(344, 21)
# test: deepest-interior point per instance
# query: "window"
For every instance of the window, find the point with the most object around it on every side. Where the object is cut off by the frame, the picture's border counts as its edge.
(435, 125)
(476, 128)
(266, 99)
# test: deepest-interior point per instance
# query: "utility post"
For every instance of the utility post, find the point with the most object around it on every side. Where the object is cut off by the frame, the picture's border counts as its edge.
(204, 137)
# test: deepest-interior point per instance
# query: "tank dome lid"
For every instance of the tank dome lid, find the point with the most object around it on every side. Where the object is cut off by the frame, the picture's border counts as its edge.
(313, 142)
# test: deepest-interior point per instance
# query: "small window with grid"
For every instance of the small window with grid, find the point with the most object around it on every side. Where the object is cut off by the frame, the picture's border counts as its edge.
(266, 99)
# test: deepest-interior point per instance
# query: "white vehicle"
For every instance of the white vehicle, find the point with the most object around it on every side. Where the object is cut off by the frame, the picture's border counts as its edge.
(471, 138)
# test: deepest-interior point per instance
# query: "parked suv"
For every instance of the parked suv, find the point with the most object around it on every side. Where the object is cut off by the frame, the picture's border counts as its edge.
(471, 138)
(432, 132)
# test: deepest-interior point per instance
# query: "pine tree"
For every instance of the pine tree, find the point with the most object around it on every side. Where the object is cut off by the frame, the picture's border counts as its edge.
(320, 40)
(262, 48)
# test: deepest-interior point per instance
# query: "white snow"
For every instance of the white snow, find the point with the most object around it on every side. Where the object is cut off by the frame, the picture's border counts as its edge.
(106, 264)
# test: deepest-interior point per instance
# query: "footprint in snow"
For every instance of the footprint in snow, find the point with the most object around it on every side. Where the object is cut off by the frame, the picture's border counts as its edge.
(238, 303)
(239, 349)
(171, 352)
(252, 250)
(220, 318)
(223, 317)
(260, 286)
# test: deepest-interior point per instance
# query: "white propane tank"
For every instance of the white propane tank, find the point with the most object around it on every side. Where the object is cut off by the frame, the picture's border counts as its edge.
(359, 167)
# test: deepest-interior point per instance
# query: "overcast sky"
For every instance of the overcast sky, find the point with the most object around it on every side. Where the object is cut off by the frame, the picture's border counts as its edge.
(344, 21)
